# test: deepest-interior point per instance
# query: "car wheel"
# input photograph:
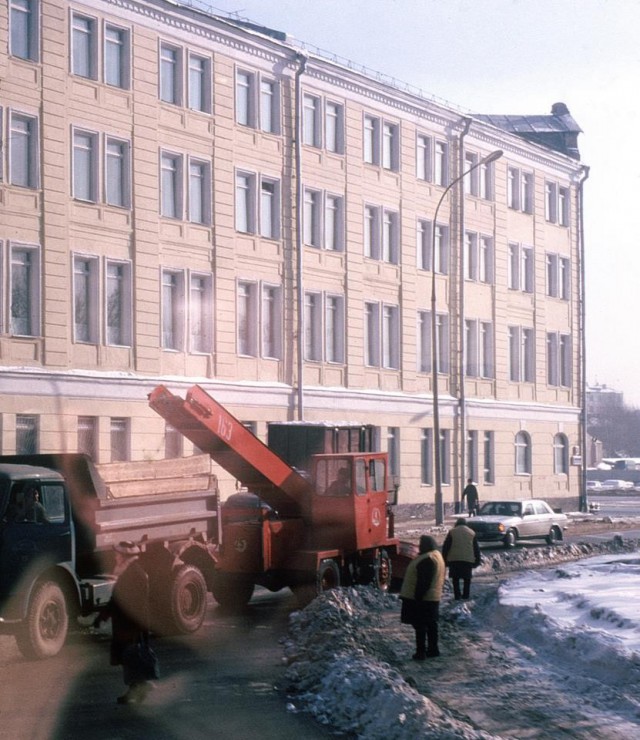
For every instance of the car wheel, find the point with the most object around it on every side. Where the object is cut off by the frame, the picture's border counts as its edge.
(510, 538)
(554, 536)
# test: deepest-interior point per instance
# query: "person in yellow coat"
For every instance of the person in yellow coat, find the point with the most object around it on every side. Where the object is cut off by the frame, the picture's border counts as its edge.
(420, 594)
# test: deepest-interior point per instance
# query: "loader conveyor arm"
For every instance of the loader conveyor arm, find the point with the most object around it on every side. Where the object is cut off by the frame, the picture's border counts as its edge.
(230, 444)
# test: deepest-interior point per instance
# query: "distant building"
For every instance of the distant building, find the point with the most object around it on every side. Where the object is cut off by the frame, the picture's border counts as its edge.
(188, 198)
(601, 398)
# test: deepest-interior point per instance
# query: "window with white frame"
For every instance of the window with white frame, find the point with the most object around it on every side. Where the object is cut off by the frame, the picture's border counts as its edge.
(425, 337)
(521, 354)
(426, 457)
(390, 237)
(372, 232)
(425, 247)
(259, 319)
(372, 339)
(117, 175)
(116, 56)
(87, 177)
(27, 434)
(200, 313)
(390, 337)
(522, 454)
(311, 121)
(520, 268)
(441, 163)
(86, 286)
(173, 442)
(119, 433)
(173, 316)
(187, 310)
(312, 219)
(485, 259)
(189, 200)
(185, 78)
(24, 29)
(118, 311)
(393, 450)
(313, 326)
(381, 234)
(324, 327)
(257, 205)
(381, 143)
(520, 190)
(271, 320)
(559, 359)
(478, 349)
(472, 455)
(556, 203)
(334, 127)
(333, 223)
(25, 290)
(560, 454)
(84, 59)
(488, 458)
(170, 74)
(445, 456)
(247, 319)
(334, 328)
(424, 157)
(23, 150)
(199, 83)
(563, 206)
(478, 182)
(485, 181)
(87, 436)
(558, 276)
(85, 165)
(107, 59)
(257, 101)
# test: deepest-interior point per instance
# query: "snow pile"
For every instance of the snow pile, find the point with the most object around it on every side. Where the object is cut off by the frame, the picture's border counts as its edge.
(335, 668)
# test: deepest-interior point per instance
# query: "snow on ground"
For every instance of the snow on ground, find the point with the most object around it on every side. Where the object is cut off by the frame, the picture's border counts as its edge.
(553, 652)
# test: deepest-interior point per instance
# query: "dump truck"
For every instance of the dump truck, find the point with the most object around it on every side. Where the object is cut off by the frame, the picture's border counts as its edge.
(60, 516)
(308, 528)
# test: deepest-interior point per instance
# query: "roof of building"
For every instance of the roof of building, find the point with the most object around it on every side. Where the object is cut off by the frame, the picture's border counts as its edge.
(557, 131)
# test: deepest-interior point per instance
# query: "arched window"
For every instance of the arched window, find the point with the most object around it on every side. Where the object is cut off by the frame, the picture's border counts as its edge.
(523, 453)
(560, 454)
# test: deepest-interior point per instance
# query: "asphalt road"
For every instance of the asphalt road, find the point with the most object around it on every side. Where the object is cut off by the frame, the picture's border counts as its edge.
(617, 505)
(226, 681)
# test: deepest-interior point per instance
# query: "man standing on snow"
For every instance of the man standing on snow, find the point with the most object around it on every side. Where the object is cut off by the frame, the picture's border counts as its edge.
(420, 594)
(461, 553)
(471, 494)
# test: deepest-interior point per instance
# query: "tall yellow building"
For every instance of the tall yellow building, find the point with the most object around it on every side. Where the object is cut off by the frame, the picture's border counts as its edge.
(185, 198)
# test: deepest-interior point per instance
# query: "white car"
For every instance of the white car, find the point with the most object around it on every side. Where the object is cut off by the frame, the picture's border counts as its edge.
(615, 484)
(594, 485)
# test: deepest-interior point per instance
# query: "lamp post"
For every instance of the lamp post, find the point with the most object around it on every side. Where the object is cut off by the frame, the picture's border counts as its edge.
(439, 504)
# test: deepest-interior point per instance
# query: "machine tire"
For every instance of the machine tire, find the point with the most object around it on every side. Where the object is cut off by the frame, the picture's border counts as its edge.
(510, 539)
(383, 573)
(44, 631)
(187, 600)
(328, 576)
(554, 536)
(231, 592)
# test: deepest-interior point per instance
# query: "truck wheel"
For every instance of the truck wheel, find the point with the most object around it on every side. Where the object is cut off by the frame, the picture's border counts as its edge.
(328, 575)
(45, 629)
(382, 578)
(230, 591)
(187, 600)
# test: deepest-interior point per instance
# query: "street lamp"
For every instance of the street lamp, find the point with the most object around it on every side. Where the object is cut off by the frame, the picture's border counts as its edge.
(439, 504)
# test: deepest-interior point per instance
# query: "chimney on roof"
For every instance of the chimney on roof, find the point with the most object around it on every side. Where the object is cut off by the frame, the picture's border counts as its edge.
(559, 109)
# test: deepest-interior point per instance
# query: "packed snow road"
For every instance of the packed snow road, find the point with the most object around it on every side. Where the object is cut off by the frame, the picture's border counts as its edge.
(509, 667)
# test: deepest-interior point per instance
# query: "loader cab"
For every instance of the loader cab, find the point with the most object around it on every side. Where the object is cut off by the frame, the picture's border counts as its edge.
(349, 503)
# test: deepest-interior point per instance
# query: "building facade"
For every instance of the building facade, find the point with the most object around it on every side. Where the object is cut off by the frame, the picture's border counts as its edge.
(185, 198)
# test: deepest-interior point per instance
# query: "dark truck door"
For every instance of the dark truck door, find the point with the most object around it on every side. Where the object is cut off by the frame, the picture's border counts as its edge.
(29, 543)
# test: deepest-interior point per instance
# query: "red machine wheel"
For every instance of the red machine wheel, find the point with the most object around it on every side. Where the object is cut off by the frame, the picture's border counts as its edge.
(328, 575)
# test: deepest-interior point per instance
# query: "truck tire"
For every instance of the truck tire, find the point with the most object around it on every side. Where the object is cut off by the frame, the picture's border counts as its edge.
(328, 575)
(187, 600)
(231, 591)
(383, 575)
(45, 629)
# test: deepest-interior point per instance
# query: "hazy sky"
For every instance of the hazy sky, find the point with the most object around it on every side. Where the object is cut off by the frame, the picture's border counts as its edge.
(520, 56)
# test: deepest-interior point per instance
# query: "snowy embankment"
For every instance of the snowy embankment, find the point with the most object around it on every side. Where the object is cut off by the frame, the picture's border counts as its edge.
(513, 667)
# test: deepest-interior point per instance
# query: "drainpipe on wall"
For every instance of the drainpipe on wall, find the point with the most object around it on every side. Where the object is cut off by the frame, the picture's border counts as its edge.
(299, 246)
(462, 411)
(584, 503)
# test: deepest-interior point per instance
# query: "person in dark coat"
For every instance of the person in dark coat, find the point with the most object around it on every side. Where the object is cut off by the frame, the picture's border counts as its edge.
(129, 613)
(471, 494)
(420, 594)
(461, 553)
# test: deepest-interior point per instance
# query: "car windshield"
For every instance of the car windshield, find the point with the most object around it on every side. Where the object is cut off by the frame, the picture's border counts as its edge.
(500, 508)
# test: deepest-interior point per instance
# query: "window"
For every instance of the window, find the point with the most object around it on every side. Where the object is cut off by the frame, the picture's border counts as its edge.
(558, 276)
(23, 39)
(425, 246)
(324, 327)
(381, 143)
(186, 311)
(311, 126)
(199, 83)
(425, 349)
(261, 218)
(119, 432)
(393, 450)
(520, 190)
(170, 74)
(563, 206)
(173, 300)
(173, 442)
(478, 182)
(85, 299)
(117, 173)
(382, 335)
(520, 267)
(116, 56)
(441, 165)
(334, 328)
(426, 457)
(312, 327)
(84, 61)
(86, 169)
(334, 223)
(521, 354)
(257, 101)
(85, 166)
(472, 455)
(25, 293)
(27, 434)
(179, 199)
(118, 311)
(488, 458)
(445, 456)
(87, 442)
(334, 127)
(381, 234)
(478, 349)
(312, 217)
(200, 313)
(559, 359)
(424, 170)
(271, 321)
(478, 257)
(560, 454)
(259, 320)
(23, 150)
(247, 319)
(523, 454)
(185, 82)
(556, 204)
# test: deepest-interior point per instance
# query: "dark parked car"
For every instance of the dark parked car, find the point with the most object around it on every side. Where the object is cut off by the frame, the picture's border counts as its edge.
(510, 521)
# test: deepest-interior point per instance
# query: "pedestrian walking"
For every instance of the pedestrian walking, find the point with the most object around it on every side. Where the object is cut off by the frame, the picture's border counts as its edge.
(420, 594)
(461, 553)
(128, 609)
(471, 494)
